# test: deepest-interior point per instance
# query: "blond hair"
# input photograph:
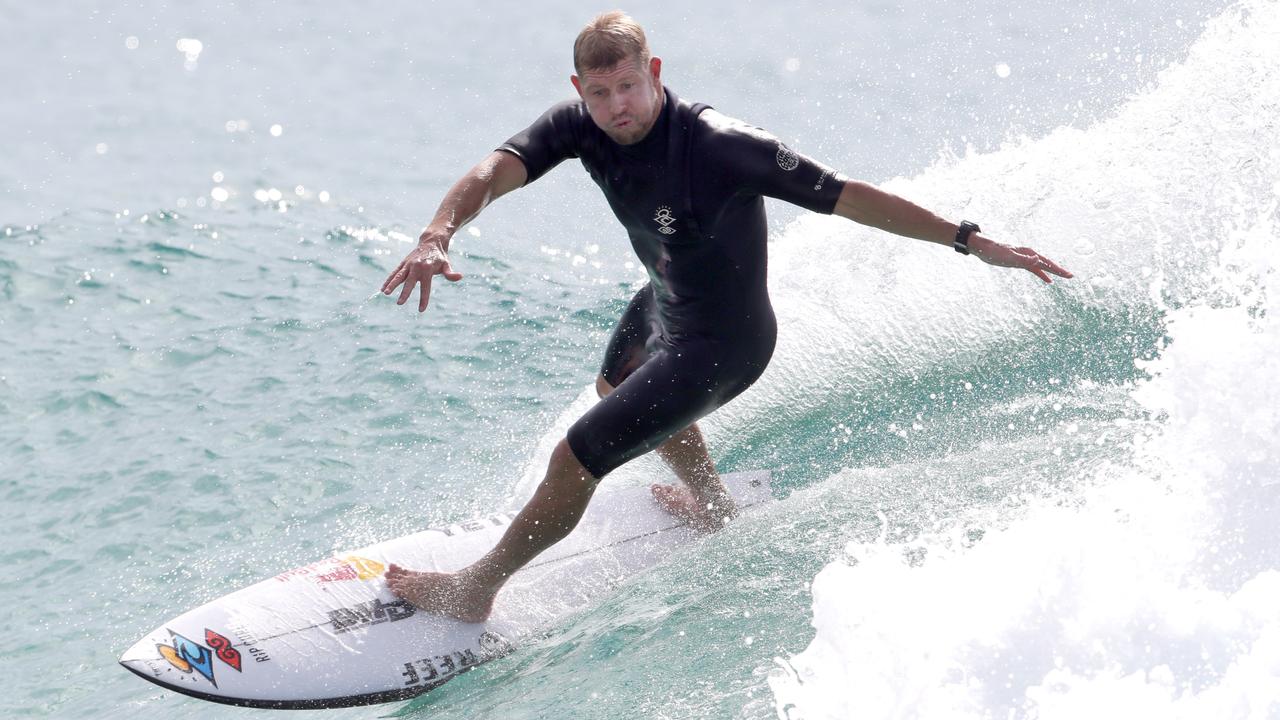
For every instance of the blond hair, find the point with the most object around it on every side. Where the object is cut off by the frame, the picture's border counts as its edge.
(608, 39)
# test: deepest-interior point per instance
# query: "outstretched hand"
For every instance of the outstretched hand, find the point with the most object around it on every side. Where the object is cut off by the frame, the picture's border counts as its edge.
(994, 253)
(419, 267)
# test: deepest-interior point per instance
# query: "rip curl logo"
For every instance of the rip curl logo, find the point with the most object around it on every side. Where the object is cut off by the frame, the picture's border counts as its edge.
(664, 218)
(223, 648)
(787, 158)
(191, 657)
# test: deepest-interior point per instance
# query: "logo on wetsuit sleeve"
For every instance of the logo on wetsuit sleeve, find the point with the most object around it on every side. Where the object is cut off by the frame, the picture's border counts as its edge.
(664, 218)
(787, 158)
(822, 179)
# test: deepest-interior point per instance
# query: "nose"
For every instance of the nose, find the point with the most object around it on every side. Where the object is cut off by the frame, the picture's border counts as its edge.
(617, 104)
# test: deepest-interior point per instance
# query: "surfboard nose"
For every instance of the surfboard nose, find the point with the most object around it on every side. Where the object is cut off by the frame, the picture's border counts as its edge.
(136, 658)
(146, 659)
(173, 661)
(138, 667)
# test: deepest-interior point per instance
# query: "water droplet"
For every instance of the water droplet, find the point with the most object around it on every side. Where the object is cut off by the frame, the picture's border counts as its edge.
(191, 49)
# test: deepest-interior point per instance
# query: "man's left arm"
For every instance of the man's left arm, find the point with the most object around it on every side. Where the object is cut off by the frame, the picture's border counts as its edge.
(869, 205)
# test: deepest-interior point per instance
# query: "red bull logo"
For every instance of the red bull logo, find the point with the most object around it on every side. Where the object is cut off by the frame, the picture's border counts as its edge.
(336, 569)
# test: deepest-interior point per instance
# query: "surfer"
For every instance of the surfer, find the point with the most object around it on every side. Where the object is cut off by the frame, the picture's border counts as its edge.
(687, 183)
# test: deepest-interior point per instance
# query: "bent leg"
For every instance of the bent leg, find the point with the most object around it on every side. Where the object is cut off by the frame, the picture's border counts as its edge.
(550, 515)
(704, 501)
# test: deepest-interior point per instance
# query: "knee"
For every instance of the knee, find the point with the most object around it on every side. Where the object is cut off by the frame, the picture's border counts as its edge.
(565, 463)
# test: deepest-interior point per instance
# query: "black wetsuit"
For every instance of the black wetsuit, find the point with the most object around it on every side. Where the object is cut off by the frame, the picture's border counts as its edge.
(690, 196)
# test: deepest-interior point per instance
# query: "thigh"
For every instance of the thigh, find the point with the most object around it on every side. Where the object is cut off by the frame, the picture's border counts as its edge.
(666, 394)
(628, 348)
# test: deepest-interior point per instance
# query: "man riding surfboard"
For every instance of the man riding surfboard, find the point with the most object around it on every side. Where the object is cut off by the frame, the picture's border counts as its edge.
(688, 184)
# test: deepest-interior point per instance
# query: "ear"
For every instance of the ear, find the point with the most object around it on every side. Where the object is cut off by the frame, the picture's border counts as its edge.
(577, 85)
(655, 69)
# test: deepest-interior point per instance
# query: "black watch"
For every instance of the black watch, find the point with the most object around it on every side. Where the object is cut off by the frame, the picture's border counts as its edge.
(961, 243)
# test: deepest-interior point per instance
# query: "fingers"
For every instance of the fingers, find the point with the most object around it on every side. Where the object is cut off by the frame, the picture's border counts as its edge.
(394, 279)
(412, 278)
(412, 272)
(449, 273)
(426, 294)
(1041, 266)
(1056, 269)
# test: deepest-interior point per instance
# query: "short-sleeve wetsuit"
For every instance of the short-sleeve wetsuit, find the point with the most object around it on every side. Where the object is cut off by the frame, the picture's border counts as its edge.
(690, 197)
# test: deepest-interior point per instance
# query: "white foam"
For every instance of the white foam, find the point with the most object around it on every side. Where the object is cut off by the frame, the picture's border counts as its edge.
(1156, 591)
(1137, 207)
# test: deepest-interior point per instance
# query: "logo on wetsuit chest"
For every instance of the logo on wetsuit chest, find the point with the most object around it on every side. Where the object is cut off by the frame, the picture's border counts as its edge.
(664, 218)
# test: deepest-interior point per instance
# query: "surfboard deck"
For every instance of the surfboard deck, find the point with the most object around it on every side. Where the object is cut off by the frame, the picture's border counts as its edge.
(330, 634)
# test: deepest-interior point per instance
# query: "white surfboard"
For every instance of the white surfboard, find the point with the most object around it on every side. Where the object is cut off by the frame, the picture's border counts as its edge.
(331, 634)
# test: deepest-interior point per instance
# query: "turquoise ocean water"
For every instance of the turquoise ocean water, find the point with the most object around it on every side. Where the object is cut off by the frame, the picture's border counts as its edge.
(199, 387)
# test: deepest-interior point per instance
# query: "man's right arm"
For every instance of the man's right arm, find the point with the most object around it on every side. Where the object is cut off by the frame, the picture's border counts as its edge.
(496, 175)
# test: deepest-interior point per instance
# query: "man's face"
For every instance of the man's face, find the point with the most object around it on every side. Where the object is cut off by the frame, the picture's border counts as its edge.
(623, 100)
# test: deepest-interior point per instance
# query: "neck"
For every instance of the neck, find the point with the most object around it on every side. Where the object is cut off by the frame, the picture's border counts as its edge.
(657, 113)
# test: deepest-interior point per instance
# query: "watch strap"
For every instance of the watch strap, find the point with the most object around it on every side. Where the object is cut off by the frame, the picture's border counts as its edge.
(961, 243)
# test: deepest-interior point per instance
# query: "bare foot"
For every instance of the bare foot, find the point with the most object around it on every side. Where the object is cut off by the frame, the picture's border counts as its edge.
(445, 594)
(679, 501)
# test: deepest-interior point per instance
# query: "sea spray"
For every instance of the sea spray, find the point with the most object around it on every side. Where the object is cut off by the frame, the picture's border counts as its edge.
(1155, 590)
